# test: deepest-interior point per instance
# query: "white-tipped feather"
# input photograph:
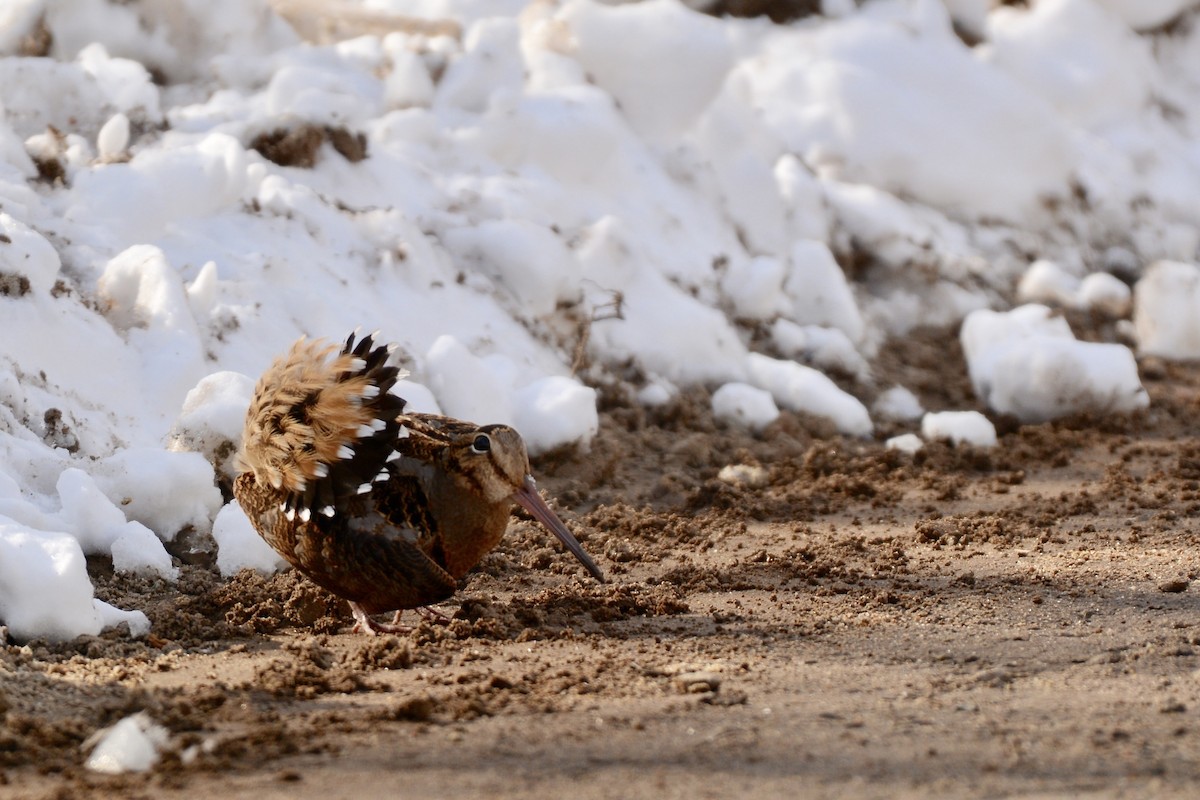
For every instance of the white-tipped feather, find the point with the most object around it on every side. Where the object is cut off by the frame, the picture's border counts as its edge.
(363, 488)
(327, 511)
(370, 390)
(357, 365)
(382, 476)
(402, 433)
(321, 470)
(392, 456)
(345, 452)
(290, 514)
(364, 431)
(377, 424)
(276, 480)
(305, 514)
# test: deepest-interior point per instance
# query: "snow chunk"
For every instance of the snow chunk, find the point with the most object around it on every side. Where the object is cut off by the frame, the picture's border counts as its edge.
(662, 62)
(556, 411)
(134, 202)
(808, 216)
(125, 83)
(324, 94)
(1166, 310)
(663, 327)
(239, 546)
(465, 386)
(137, 550)
(164, 491)
(44, 586)
(745, 405)
(1027, 362)
(819, 291)
(657, 393)
(111, 617)
(755, 287)
(528, 259)
(131, 745)
(87, 513)
(28, 255)
(490, 63)
(77, 98)
(573, 133)
(212, 418)
(141, 289)
(408, 84)
(1047, 282)
(1089, 66)
(1105, 293)
(800, 388)
(113, 137)
(828, 348)
(902, 105)
(417, 398)
(905, 443)
(960, 427)
(899, 404)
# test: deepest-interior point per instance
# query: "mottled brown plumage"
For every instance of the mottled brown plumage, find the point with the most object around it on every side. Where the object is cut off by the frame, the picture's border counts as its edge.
(383, 508)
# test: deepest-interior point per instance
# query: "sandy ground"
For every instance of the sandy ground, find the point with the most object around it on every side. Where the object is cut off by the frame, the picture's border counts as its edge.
(847, 622)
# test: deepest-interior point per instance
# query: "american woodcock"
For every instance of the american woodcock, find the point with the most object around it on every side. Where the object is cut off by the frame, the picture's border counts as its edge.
(385, 509)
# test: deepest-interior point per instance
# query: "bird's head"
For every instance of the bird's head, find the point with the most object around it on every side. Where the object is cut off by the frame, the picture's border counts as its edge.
(493, 462)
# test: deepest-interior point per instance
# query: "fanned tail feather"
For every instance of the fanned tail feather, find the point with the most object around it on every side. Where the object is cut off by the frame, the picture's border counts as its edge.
(320, 429)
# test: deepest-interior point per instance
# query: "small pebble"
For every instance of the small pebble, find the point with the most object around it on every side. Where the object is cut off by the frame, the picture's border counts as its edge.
(695, 682)
(734, 698)
(747, 475)
(1174, 586)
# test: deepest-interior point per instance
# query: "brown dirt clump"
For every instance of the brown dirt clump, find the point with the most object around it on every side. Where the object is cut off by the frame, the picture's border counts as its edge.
(298, 146)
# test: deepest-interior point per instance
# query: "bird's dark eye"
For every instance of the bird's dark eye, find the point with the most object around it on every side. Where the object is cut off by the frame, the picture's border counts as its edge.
(481, 444)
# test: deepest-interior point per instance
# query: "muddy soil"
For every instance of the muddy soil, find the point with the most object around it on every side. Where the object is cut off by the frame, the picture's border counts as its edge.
(830, 620)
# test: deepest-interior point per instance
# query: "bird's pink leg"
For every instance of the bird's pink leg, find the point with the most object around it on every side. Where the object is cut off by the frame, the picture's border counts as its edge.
(362, 622)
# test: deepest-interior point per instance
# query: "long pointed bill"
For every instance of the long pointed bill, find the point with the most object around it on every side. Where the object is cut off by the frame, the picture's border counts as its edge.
(532, 502)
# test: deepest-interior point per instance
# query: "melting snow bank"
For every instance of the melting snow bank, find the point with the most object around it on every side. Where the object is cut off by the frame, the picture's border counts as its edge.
(566, 195)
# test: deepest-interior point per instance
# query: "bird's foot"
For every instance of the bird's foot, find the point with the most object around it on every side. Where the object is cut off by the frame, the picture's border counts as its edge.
(364, 623)
(430, 615)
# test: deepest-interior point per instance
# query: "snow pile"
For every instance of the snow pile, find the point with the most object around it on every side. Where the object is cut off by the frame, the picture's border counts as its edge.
(1026, 362)
(570, 194)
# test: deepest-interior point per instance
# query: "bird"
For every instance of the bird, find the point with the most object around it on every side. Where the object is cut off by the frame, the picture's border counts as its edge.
(384, 508)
